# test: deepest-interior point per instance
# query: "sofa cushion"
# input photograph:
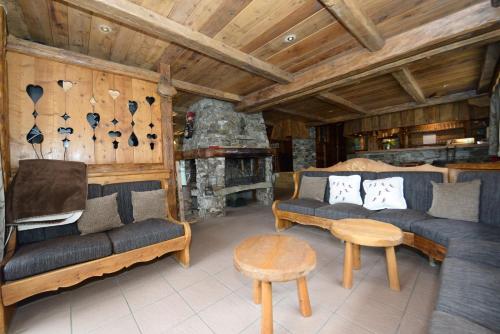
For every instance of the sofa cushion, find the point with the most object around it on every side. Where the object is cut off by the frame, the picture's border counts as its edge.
(144, 233)
(149, 204)
(402, 218)
(445, 323)
(458, 201)
(417, 187)
(302, 206)
(442, 230)
(46, 233)
(489, 210)
(312, 188)
(342, 211)
(101, 214)
(125, 196)
(480, 251)
(47, 255)
(470, 290)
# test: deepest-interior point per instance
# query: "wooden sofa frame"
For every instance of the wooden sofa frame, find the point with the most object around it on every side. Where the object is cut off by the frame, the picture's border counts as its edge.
(15, 291)
(285, 219)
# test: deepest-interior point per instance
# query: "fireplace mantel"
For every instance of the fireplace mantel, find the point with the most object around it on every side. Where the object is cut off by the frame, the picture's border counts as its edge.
(224, 152)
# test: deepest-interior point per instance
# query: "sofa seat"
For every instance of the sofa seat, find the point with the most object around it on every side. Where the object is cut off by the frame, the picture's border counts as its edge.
(43, 256)
(143, 233)
(470, 290)
(342, 211)
(302, 206)
(445, 323)
(402, 218)
(442, 230)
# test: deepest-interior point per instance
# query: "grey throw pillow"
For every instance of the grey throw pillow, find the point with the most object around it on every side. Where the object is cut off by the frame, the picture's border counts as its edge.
(312, 187)
(101, 214)
(458, 201)
(149, 204)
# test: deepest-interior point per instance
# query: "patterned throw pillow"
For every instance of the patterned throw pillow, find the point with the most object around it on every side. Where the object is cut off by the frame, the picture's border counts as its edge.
(149, 204)
(384, 194)
(345, 189)
(101, 214)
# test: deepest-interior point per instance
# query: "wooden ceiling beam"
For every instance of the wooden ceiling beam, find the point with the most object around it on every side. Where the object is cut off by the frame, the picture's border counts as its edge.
(64, 56)
(409, 84)
(300, 114)
(142, 19)
(334, 99)
(351, 15)
(491, 61)
(476, 25)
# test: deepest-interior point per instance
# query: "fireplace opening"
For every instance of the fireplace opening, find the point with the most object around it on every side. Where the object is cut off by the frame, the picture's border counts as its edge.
(243, 171)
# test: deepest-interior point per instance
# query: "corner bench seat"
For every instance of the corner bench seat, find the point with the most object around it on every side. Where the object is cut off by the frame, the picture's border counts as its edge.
(43, 256)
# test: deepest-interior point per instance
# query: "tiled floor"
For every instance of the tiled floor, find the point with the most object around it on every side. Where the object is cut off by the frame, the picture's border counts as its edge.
(211, 297)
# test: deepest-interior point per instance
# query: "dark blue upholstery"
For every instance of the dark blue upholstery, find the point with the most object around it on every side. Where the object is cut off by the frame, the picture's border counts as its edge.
(443, 230)
(125, 197)
(302, 206)
(48, 255)
(470, 290)
(402, 218)
(481, 251)
(46, 233)
(144, 233)
(445, 323)
(342, 211)
(417, 187)
(489, 203)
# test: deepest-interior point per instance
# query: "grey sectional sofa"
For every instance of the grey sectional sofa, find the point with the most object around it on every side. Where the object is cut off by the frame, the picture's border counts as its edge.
(469, 297)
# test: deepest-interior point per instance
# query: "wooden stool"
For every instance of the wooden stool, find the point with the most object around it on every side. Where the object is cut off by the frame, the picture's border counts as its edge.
(275, 258)
(372, 233)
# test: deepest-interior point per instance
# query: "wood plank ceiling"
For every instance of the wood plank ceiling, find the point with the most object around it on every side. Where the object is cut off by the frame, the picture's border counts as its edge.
(324, 31)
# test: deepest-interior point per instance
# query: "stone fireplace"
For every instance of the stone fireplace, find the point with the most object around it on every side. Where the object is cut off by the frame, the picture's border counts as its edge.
(228, 157)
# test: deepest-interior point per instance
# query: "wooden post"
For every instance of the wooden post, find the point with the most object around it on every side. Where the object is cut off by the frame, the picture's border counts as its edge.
(494, 122)
(167, 91)
(348, 264)
(267, 308)
(4, 117)
(392, 268)
(304, 303)
(257, 291)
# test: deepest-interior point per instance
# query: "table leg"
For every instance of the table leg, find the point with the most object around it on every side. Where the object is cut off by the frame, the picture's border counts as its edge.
(257, 291)
(267, 308)
(356, 257)
(348, 265)
(392, 268)
(304, 303)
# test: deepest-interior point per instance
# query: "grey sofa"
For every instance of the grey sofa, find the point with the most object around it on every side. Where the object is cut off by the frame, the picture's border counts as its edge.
(469, 297)
(48, 249)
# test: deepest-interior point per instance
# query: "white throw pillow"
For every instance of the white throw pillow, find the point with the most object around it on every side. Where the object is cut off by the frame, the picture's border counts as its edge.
(384, 194)
(345, 189)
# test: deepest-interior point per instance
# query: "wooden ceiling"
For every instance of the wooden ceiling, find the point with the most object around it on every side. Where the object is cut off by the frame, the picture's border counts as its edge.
(349, 57)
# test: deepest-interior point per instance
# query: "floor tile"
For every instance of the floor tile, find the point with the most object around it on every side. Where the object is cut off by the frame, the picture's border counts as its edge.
(230, 315)
(204, 293)
(255, 328)
(125, 325)
(233, 279)
(413, 325)
(140, 291)
(338, 325)
(163, 314)
(180, 278)
(193, 325)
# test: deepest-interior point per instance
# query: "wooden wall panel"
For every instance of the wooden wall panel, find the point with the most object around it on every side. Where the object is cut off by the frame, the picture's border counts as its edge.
(24, 70)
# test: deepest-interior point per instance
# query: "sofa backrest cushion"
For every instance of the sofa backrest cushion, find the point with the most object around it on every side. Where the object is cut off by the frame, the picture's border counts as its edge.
(46, 233)
(364, 176)
(489, 200)
(417, 187)
(125, 208)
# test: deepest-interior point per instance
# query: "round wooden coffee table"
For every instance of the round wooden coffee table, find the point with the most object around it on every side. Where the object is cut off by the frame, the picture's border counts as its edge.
(275, 258)
(372, 233)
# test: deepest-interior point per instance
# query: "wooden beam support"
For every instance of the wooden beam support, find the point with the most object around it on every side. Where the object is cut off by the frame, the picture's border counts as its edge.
(4, 106)
(409, 84)
(350, 14)
(475, 25)
(491, 61)
(69, 57)
(142, 19)
(167, 132)
(300, 114)
(332, 98)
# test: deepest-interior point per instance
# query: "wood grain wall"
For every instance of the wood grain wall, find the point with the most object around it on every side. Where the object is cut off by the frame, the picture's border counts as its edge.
(24, 70)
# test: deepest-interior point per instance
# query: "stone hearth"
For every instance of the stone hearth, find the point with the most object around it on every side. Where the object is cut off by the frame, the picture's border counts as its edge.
(228, 155)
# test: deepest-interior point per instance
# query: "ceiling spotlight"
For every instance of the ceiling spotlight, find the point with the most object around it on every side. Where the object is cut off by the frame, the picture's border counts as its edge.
(290, 38)
(105, 28)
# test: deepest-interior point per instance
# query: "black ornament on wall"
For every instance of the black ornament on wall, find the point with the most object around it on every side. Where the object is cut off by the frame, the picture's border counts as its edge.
(93, 118)
(151, 136)
(66, 86)
(35, 135)
(132, 140)
(114, 134)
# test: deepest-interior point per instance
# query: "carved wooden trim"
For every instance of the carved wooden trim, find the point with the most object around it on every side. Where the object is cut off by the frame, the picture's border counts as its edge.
(15, 291)
(368, 165)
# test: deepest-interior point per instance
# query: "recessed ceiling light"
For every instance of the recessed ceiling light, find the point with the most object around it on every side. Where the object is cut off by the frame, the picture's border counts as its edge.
(290, 38)
(105, 28)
